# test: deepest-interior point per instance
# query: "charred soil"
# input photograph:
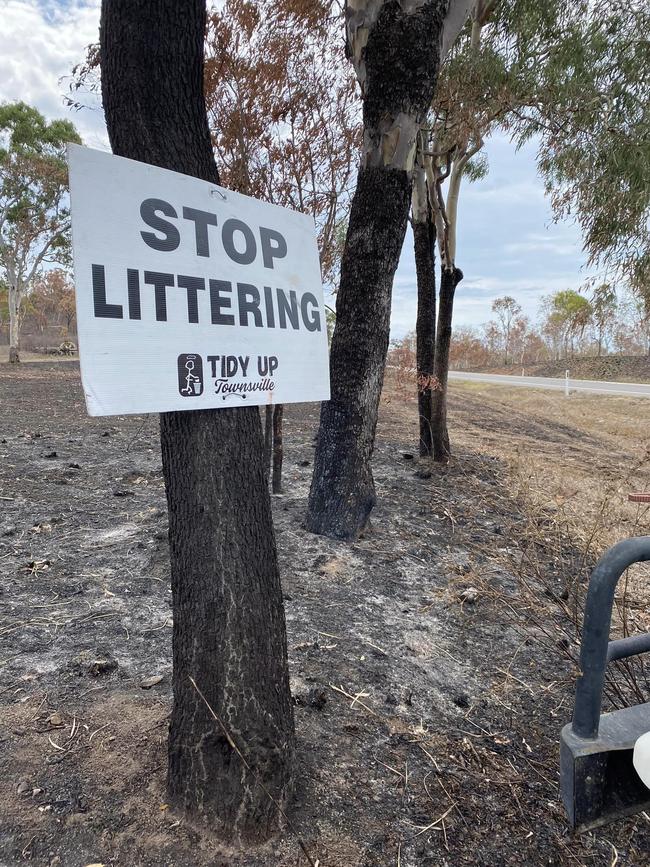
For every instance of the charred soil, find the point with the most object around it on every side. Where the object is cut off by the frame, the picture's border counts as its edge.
(431, 666)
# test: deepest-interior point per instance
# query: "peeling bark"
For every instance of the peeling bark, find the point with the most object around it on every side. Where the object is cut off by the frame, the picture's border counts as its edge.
(229, 630)
(395, 48)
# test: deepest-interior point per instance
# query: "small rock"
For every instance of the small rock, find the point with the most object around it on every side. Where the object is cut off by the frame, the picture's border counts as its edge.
(470, 595)
(148, 682)
(55, 720)
(8, 529)
(102, 666)
(23, 787)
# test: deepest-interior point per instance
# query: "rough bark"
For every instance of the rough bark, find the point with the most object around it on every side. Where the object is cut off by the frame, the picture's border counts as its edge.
(342, 492)
(278, 451)
(449, 280)
(268, 438)
(395, 48)
(229, 631)
(424, 237)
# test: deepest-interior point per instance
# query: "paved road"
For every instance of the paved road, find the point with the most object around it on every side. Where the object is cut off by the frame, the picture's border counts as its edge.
(627, 389)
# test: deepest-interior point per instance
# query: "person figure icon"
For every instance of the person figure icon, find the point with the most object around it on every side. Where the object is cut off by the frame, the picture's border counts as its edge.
(192, 382)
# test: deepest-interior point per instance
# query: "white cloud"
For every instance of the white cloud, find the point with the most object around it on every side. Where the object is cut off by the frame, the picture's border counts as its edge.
(40, 42)
(522, 192)
(554, 245)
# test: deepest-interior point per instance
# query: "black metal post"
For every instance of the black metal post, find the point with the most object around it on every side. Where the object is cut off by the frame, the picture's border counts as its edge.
(595, 650)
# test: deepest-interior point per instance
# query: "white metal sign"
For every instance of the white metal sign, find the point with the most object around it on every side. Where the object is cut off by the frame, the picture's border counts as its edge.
(190, 296)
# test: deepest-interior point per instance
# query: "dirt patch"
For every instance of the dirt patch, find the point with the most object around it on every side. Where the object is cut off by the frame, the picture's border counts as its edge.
(429, 667)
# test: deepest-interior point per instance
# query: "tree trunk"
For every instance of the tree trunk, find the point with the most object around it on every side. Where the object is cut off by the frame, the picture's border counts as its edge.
(449, 279)
(342, 491)
(396, 52)
(229, 630)
(14, 326)
(424, 235)
(268, 438)
(277, 448)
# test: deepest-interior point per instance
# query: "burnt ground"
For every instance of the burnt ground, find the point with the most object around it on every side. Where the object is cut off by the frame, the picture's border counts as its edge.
(431, 673)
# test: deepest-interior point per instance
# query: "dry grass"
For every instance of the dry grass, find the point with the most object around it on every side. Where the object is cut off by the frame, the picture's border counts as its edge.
(569, 465)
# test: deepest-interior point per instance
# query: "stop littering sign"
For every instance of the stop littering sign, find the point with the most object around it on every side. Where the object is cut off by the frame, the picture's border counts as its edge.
(190, 296)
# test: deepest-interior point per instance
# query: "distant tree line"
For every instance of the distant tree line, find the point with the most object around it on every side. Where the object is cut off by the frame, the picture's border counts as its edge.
(569, 325)
(47, 316)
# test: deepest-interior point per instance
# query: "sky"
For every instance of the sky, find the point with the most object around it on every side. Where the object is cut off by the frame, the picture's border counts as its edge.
(507, 241)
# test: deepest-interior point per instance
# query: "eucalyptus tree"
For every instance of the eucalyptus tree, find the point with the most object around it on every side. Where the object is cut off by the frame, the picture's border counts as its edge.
(508, 313)
(591, 118)
(604, 304)
(34, 208)
(490, 74)
(395, 49)
(285, 120)
(566, 315)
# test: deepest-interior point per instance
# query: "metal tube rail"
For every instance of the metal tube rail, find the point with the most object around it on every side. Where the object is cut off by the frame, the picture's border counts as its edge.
(595, 651)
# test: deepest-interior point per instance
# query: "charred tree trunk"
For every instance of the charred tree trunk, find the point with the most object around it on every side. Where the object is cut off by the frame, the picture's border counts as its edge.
(229, 630)
(396, 52)
(268, 438)
(424, 237)
(278, 452)
(449, 280)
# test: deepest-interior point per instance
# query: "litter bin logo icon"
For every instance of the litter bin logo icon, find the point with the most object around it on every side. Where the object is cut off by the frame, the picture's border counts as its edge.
(190, 375)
